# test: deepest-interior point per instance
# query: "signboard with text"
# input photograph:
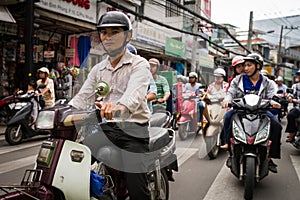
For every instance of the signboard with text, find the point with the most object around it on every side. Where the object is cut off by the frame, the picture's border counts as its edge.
(85, 10)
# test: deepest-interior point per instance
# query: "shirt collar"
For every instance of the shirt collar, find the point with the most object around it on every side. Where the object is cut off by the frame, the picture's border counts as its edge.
(126, 59)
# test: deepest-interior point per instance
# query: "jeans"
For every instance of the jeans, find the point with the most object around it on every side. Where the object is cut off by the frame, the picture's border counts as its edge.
(200, 107)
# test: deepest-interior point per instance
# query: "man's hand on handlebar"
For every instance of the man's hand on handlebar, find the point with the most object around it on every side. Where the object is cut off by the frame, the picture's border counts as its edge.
(108, 110)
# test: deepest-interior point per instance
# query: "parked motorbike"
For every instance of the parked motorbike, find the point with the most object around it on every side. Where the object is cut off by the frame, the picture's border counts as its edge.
(19, 126)
(6, 108)
(63, 166)
(213, 129)
(189, 115)
(250, 143)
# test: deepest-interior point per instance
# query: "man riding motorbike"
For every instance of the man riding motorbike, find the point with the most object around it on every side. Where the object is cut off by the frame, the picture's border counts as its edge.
(291, 127)
(194, 86)
(127, 75)
(252, 82)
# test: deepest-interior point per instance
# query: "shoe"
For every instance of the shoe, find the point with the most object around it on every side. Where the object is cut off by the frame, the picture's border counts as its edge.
(229, 162)
(225, 146)
(272, 166)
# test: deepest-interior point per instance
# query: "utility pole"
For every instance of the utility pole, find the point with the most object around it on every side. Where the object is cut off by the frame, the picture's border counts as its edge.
(279, 47)
(250, 32)
(195, 31)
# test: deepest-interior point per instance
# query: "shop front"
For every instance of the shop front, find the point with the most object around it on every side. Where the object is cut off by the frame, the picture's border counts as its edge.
(55, 21)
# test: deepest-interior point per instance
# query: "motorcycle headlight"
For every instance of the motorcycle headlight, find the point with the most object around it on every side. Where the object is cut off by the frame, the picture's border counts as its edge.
(45, 120)
(238, 133)
(262, 135)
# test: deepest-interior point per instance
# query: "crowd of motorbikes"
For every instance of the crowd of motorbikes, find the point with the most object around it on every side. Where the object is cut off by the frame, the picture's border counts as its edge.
(74, 138)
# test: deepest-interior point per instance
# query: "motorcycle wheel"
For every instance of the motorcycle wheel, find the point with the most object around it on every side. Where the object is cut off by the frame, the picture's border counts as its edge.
(249, 180)
(14, 134)
(211, 146)
(164, 190)
(183, 130)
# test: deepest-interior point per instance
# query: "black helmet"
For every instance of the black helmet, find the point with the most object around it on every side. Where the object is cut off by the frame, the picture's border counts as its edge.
(256, 58)
(114, 19)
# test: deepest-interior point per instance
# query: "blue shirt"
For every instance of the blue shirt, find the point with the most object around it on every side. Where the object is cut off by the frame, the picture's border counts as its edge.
(249, 88)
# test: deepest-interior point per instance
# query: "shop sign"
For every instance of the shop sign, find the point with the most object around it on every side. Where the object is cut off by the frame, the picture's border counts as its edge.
(70, 53)
(288, 74)
(85, 10)
(49, 54)
(206, 60)
(175, 48)
(150, 35)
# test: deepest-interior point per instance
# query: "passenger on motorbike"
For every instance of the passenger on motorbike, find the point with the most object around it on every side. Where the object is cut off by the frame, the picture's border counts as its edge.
(127, 75)
(194, 86)
(294, 114)
(48, 92)
(252, 82)
(282, 87)
(238, 67)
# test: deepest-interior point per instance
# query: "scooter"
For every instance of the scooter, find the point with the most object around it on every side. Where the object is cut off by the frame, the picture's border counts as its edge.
(189, 115)
(213, 129)
(19, 126)
(250, 141)
(6, 108)
(63, 166)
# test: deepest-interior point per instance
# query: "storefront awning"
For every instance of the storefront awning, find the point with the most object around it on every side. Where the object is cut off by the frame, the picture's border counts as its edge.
(5, 15)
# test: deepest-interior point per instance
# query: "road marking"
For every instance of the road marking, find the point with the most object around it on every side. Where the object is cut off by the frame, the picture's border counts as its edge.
(20, 147)
(17, 164)
(184, 154)
(225, 186)
(296, 164)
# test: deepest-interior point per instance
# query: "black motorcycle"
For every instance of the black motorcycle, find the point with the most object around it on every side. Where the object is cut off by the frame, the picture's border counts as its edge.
(19, 126)
(250, 141)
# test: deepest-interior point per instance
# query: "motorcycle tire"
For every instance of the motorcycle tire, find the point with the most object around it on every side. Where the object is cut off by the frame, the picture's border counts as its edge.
(10, 136)
(249, 180)
(164, 191)
(183, 130)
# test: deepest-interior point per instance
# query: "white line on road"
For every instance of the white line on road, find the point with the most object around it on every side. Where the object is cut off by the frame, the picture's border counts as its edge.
(225, 186)
(16, 164)
(296, 164)
(8, 149)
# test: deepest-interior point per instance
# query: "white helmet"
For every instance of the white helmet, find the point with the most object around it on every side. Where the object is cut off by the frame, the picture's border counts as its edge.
(237, 60)
(44, 69)
(219, 72)
(193, 75)
(279, 78)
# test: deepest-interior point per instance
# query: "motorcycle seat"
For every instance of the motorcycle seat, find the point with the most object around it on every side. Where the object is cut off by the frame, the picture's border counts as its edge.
(159, 138)
(158, 119)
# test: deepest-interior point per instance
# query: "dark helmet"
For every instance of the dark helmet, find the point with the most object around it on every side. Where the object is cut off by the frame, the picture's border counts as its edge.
(114, 19)
(256, 58)
(131, 49)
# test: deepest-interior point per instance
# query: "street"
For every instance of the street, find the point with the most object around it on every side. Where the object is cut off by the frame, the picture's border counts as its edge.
(198, 178)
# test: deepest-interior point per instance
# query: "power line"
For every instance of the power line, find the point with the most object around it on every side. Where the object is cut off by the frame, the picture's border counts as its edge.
(117, 5)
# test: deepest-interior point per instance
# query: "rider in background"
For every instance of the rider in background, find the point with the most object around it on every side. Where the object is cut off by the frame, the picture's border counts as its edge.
(162, 85)
(194, 86)
(252, 82)
(218, 87)
(294, 114)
